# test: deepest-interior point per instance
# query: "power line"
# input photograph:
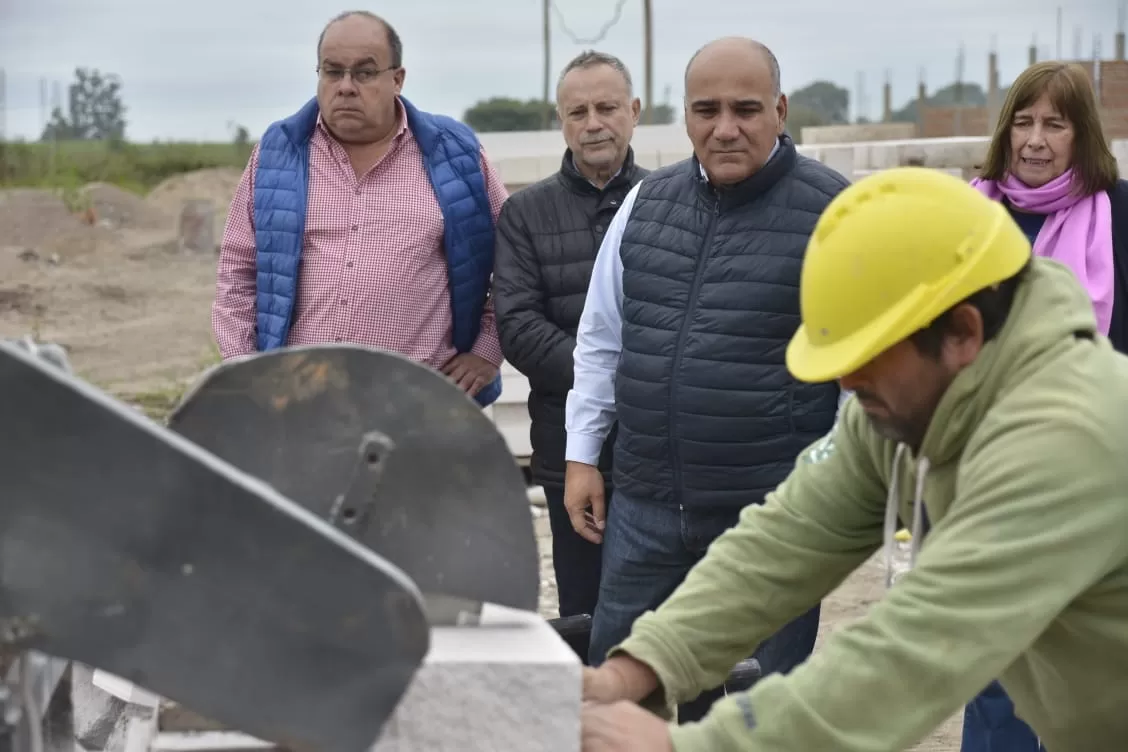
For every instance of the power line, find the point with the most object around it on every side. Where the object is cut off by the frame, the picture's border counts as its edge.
(618, 14)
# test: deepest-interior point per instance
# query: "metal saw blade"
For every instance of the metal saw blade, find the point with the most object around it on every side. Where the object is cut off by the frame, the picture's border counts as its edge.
(388, 450)
(127, 547)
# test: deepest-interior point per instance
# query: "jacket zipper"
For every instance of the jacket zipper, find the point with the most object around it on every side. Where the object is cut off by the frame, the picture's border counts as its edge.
(699, 272)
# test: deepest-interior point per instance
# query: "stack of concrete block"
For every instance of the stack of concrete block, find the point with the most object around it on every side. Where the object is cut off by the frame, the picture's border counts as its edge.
(507, 683)
(510, 683)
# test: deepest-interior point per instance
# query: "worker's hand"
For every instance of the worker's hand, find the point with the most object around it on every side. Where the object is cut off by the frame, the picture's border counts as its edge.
(622, 727)
(622, 677)
(601, 685)
(583, 498)
(471, 372)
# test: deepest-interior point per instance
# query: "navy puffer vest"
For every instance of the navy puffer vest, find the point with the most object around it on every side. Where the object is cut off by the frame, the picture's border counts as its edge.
(709, 415)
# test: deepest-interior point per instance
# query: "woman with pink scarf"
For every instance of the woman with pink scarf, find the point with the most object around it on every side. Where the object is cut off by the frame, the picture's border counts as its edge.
(1050, 164)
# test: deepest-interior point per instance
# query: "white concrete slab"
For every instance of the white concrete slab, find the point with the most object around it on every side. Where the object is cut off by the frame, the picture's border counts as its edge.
(509, 684)
(524, 158)
(512, 687)
(208, 741)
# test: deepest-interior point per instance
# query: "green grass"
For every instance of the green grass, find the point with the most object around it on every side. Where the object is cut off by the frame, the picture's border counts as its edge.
(158, 403)
(135, 167)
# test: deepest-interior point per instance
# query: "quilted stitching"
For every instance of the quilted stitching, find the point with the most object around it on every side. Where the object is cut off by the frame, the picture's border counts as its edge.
(452, 155)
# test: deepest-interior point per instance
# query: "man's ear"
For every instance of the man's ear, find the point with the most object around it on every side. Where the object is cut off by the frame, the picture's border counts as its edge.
(964, 339)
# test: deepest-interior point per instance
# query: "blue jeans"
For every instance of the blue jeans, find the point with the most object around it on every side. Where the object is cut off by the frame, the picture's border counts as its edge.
(648, 549)
(991, 726)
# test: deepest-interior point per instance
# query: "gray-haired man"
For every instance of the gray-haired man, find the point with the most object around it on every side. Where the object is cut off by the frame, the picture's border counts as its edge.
(547, 239)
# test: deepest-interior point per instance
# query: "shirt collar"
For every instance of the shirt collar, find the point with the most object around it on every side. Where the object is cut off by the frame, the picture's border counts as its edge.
(580, 173)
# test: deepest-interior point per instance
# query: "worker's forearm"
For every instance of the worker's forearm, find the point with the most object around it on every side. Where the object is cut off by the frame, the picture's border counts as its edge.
(637, 679)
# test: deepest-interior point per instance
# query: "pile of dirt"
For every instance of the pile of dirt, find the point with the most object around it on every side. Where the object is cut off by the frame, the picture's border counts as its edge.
(116, 208)
(32, 218)
(216, 185)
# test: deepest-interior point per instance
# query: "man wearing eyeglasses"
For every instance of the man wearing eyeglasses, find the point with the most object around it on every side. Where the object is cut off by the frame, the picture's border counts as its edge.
(362, 219)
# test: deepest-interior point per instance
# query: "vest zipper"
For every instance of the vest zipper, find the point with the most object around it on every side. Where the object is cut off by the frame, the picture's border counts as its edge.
(690, 309)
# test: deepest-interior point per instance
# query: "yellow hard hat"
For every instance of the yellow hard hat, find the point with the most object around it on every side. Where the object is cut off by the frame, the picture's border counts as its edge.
(890, 254)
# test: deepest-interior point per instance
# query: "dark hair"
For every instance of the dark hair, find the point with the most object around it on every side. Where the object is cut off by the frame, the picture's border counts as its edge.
(395, 44)
(1071, 93)
(994, 306)
(590, 59)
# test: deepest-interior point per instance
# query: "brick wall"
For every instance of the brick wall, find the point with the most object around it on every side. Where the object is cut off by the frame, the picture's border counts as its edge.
(1113, 97)
(943, 122)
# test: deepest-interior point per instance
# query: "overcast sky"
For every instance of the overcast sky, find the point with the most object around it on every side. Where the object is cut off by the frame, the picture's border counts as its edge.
(191, 73)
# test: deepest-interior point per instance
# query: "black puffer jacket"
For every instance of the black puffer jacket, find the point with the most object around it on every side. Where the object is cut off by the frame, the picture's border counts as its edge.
(547, 238)
(1118, 330)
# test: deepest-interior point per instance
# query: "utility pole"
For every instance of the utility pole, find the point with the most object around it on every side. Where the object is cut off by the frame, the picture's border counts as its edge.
(1118, 40)
(1097, 69)
(546, 121)
(3, 128)
(861, 109)
(958, 111)
(921, 100)
(648, 65)
(887, 97)
(1058, 55)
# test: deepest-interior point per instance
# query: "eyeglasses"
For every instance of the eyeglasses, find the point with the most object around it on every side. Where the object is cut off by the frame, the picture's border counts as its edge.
(361, 75)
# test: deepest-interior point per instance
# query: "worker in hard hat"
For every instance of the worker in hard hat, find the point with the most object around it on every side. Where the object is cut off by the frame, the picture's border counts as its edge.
(989, 417)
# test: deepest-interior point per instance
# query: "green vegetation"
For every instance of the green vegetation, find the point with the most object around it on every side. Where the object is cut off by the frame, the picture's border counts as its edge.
(158, 403)
(952, 95)
(86, 143)
(136, 167)
(817, 103)
(508, 114)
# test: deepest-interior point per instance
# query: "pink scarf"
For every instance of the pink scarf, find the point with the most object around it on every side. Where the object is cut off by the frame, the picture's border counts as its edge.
(1077, 232)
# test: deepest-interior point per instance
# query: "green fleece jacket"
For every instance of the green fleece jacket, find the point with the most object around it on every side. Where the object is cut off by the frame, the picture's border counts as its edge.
(1023, 576)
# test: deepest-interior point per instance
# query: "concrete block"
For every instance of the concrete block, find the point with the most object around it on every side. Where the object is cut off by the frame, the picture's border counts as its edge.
(852, 132)
(209, 741)
(106, 722)
(841, 160)
(96, 712)
(510, 683)
(648, 159)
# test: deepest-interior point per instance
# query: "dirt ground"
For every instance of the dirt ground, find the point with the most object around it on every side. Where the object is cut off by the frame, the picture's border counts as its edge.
(105, 277)
(103, 274)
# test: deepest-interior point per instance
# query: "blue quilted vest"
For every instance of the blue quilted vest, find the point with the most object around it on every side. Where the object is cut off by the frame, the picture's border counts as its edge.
(451, 156)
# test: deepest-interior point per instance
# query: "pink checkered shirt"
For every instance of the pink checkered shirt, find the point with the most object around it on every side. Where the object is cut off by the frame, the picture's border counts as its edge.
(373, 269)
